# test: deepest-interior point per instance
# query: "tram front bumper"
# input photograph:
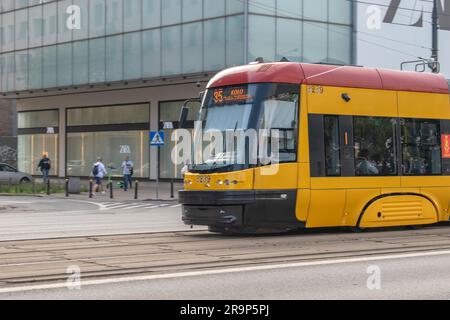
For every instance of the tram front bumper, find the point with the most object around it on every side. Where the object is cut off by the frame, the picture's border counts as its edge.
(237, 209)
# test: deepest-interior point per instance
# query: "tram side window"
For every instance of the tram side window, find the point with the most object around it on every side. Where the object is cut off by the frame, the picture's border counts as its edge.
(421, 147)
(375, 152)
(332, 146)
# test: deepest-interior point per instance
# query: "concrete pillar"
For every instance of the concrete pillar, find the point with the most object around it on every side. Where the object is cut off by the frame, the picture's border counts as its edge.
(62, 143)
(8, 131)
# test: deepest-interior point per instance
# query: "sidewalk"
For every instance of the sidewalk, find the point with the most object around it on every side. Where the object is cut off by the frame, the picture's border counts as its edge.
(146, 192)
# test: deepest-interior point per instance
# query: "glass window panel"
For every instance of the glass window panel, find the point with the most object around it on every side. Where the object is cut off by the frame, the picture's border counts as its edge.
(289, 39)
(421, 147)
(171, 48)
(49, 67)
(262, 7)
(38, 119)
(214, 44)
(64, 33)
(83, 32)
(30, 150)
(108, 115)
(214, 8)
(340, 11)
(132, 55)
(291, 9)
(84, 148)
(9, 82)
(97, 18)
(80, 62)
(21, 70)
(7, 5)
(192, 10)
(261, 37)
(64, 64)
(97, 60)
(235, 41)
(50, 23)
(21, 29)
(35, 26)
(332, 146)
(114, 20)
(235, 6)
(21, 4)
(114, 58)
(152, 13)
(316, 10)
(151, 42)
(339, 44)
(375, 154)
(192, 47)
(9, 33)
(314, 42)
(35, 68)
(132, 12)
(171, 11)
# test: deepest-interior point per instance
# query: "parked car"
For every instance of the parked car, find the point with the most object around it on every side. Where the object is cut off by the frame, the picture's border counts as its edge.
(10, 175)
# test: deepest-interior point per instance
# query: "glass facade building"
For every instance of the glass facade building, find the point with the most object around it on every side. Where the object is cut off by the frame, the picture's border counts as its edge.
(54, 47)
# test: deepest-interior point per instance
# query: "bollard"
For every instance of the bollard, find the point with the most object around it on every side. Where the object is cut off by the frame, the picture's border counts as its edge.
(67, 188)
(48, 187)
(171, 189)
(111, 194)
(91, 187)
(136, 190)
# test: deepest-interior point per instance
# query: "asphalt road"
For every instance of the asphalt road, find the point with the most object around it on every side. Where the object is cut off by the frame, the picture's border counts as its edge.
(141, 250)
(39, 218)
(407, 278)
(327, 264)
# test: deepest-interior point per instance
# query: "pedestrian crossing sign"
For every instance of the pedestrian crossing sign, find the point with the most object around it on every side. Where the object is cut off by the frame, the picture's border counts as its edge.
(157, 138)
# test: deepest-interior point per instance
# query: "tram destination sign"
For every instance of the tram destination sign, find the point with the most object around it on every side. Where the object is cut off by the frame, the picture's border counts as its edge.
(232, 95)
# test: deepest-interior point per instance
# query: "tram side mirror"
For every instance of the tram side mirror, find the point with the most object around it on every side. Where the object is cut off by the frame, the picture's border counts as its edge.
(183, 116)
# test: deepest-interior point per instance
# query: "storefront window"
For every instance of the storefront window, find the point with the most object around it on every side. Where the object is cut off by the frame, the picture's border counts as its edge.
(169, 113)
(38, 119)
(108, 115)
(112, 133)
(83, 148)
(32, 147)
(38, 135)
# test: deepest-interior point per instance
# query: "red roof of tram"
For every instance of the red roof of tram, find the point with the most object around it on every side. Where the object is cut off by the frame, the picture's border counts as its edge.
(328, 75)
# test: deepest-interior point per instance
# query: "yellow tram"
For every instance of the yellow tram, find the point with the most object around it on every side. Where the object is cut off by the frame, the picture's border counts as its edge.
(361, 148)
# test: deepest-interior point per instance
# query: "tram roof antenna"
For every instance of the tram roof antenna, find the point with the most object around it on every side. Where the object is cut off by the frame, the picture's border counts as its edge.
(258, 60)
(284, 59)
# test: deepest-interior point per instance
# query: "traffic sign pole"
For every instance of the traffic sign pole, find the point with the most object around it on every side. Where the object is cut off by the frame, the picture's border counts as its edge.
(157, 140)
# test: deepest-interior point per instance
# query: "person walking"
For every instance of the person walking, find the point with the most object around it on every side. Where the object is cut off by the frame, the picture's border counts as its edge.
(127, 170)
(99, 172)
(44, 166)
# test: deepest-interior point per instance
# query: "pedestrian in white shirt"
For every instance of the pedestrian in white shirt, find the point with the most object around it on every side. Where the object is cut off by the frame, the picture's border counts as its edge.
(99, 172)
(127, 170)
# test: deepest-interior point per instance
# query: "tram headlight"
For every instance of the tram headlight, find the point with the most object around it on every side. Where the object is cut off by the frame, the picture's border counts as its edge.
(219, 182)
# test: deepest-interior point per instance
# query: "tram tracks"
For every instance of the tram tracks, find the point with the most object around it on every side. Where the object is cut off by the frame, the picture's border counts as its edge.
(47, 260)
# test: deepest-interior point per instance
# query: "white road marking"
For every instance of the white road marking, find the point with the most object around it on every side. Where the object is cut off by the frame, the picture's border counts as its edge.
(176, 206)
(16, 202)
(225, 271)
(136, 206)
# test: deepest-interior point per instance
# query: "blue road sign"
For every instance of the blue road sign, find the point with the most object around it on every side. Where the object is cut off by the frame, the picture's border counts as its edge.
(156, 138)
